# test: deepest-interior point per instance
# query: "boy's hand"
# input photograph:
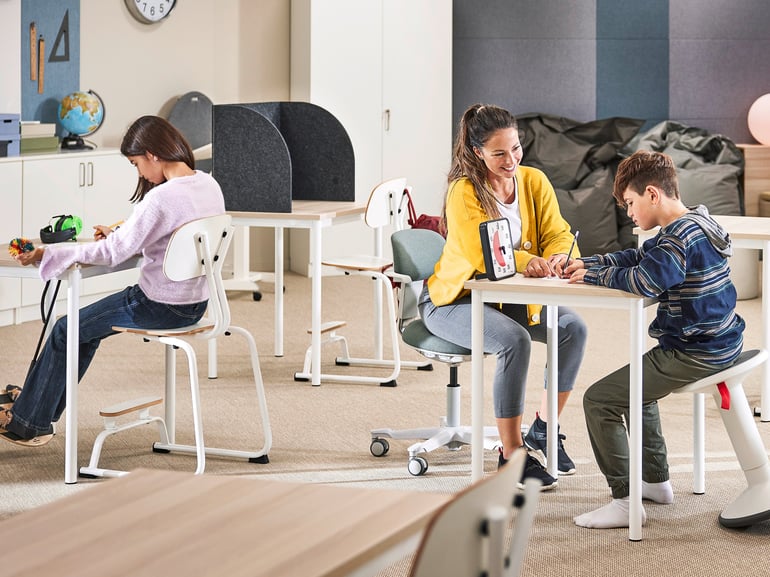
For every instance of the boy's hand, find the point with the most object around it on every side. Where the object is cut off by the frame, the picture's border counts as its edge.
(575, 271)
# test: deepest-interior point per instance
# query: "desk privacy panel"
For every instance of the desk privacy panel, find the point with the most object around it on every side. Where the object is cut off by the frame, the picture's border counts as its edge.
(267, 154)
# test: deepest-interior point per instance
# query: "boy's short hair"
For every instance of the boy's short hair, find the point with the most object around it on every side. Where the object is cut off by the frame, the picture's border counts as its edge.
(643, 168)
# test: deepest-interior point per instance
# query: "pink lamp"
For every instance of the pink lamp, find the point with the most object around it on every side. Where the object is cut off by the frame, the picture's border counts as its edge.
(759, 119)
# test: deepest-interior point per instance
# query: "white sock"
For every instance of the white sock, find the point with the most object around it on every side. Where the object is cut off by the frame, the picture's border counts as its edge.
(610, 516)
(662, 493)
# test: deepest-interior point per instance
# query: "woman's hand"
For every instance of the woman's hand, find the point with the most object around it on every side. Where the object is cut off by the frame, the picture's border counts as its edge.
(538, 267)
(31, 257)
(558, 263)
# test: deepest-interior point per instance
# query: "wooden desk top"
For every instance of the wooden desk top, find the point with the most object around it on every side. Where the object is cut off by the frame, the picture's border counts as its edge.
(309, 210)
(169, 523)
(548, 290)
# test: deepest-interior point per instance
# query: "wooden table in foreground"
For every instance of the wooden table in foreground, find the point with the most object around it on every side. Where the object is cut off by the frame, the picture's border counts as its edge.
(170, 523)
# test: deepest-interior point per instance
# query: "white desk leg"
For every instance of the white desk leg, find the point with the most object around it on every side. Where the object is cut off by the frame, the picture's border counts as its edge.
(378, 294)
(477, 386)
(636, 318)
(73, 340)
(552, 427)
(278, 313)
(765, 394)
(315, 317)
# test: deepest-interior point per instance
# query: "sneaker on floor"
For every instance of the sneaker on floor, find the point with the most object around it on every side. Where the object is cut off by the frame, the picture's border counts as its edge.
(532, 469)
(537, 440)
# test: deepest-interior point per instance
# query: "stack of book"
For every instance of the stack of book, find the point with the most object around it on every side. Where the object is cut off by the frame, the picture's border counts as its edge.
(37, 137)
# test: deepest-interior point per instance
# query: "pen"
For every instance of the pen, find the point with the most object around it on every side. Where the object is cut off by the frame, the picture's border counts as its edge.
(572, 247)
(117, 224)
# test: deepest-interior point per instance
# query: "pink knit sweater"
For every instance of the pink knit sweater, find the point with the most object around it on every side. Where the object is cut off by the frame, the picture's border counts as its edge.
(147, 232)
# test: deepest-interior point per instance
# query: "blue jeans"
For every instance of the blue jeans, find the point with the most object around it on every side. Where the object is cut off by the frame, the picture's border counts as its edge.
(508, 334)
(43, 397)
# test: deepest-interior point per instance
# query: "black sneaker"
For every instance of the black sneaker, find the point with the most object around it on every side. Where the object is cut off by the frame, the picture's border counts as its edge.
(537, 440)
(532, 469)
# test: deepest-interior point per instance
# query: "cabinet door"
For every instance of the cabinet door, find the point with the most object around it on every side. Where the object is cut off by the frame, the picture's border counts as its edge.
(96, 187)
(417, 97)
(10, 227)
(110, 182)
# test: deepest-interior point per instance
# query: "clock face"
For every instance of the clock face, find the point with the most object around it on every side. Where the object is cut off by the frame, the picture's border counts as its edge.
(150, 11)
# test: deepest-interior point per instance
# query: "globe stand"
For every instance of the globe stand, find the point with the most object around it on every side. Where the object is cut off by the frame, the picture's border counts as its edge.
(74, 142)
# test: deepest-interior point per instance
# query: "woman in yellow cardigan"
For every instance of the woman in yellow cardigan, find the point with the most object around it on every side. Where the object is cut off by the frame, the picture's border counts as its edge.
(487, 182)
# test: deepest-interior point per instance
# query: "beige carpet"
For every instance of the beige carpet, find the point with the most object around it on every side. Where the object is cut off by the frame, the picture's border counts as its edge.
(321, 434)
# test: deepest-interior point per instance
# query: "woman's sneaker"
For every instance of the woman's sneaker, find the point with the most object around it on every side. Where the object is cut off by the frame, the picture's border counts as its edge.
(533, 469)
(537, 440)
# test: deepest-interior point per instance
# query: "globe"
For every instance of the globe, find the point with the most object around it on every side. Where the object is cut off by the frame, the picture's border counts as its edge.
(80, 114)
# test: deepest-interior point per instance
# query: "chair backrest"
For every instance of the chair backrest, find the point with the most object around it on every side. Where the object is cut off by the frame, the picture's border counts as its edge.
(384, 205)
(415, 253)
(197, 249)
(467, 535)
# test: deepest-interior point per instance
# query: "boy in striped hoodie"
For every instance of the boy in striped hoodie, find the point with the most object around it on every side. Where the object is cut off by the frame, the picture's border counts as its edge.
(698, 332)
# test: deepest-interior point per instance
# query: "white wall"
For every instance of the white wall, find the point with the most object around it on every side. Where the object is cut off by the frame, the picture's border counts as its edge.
(231, 50)
(10, 60)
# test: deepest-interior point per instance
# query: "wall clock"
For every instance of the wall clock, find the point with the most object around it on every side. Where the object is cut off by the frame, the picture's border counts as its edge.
(150, 11)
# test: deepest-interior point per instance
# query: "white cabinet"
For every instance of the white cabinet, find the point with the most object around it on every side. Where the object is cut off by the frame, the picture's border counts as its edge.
(10, 227)
(96, 186)
(384, 69)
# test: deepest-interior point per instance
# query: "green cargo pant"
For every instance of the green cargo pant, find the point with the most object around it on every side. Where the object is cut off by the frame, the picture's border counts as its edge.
(606, 407)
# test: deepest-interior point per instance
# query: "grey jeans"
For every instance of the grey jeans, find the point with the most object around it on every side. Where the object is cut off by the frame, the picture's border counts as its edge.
(508, 335)
(606, 406)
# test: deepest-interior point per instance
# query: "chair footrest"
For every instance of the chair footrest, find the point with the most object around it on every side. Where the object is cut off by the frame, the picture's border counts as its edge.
(329, 326)
(130, 406)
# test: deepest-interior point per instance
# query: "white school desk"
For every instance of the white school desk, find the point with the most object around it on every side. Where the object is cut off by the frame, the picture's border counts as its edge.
(747, 232)
(308, 214)
(170, 523)
(554, 293)
(74, 275)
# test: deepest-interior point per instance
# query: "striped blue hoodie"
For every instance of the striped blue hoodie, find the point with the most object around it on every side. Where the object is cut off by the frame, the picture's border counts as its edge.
(685, 267)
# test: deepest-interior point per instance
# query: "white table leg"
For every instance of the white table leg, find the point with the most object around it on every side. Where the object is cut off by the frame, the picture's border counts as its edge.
(278, 312)
(73, 339)
(552, 426)
(477, 386)
(765, 388)
(636, 321)
(315, 316)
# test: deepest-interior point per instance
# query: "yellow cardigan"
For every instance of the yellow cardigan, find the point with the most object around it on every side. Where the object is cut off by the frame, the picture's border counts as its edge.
(543, 233)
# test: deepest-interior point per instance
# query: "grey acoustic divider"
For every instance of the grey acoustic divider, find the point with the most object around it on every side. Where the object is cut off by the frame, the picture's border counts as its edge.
(266, 154)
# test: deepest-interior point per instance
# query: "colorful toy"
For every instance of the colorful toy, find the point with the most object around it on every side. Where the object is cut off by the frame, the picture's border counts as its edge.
(20, 245)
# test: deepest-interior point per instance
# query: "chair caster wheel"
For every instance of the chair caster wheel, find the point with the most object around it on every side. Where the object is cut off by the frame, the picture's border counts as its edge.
(417, 466)
(379, 447)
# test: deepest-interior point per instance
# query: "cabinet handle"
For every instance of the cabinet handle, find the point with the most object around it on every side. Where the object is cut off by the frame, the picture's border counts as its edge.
(81, 174)
(386, 119)
(90, 174)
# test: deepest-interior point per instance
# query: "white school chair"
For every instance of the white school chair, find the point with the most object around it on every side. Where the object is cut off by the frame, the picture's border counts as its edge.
(468, 535)
(196, 249)
(384, 211)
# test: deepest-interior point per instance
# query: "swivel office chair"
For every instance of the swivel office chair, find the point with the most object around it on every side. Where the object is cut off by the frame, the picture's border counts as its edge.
(415, 253)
